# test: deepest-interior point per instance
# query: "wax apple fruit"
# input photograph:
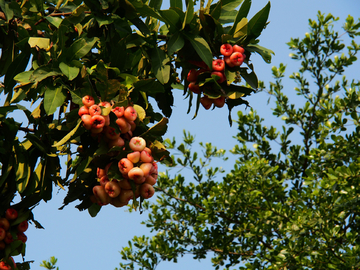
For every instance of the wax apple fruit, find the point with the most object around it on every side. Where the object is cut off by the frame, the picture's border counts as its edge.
(192, 75)
(206, 102)
(237, 48)
(226, 49)
(125, 165)
(11, 214)
(112, 188)
(146, 191)
(218, 65)
(137, 144)
(219, 102)
(194, 87)
(130, 113)
(23, 226)
(237, 58)
(2, 234)
(4, 223)
(101, 195)
(88, 101)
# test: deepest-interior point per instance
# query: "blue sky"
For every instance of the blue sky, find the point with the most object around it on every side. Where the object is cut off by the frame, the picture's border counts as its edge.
(82, 242)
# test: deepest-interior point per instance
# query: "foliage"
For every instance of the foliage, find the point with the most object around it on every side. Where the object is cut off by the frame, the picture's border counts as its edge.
(127, 52)
(292, 199)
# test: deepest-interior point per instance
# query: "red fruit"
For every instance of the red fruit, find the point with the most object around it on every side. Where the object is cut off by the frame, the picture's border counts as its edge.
(23, 226)
(119, 111)
(95, 110)
(87, 121)
(2, 234)
(206, 102)
(124, 184)
(192, 75)
(226, 49)
(22, 237)
(218, 65)
(132, 125)
(11, 214)
(200, 64)
(8, 238)
(220, 75)
(125, 165)
(228, 61)
(83, 110)
(88, 101)
(107, 120)
(146, 191)
(4, 223)
(100, 172)
(112, 188)
(137, 144)
(195, 88)
(219, 102)
(98, 121)
(237, 48)
(237, 58)
(130, 113)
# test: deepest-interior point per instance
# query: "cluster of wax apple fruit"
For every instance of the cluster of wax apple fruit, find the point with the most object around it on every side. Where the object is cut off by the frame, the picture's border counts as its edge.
(10, 232)
(233, 56)
(138, 167)
(98, 122)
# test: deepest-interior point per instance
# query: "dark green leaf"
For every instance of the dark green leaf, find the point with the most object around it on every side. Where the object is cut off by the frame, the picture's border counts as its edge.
(54, 97)
(176, 42)
(258, 22)
(159, 65)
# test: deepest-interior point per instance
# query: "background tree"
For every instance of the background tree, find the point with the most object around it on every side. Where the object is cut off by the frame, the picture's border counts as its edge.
(55, 53)
(292, 199)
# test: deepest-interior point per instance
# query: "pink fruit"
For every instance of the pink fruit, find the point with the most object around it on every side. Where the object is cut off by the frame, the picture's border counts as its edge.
(116, 202)
(137, 175)
(237, 58)
(123, 125)
(228, 61)
(104, 180)
(137, 144)
(237, 48)
(110, 133)
(134, 157)
(112, 188)
(98, 121)
(125, 165)
(220, 75)
(146, 168)
(146, 157)
(100, 172)
(95, 110)
(101, 195)
(117, 142)
(126, 195)
(105, 104)
(146, 191)
(87, 121)
(218, 65)
(88, 101)
(83, 110)
(150, 180)
(119, 111)
(124, 184)
(130, 113)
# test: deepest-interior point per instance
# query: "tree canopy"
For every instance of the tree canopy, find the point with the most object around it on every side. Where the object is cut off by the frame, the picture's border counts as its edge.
(292, 199)
(86, 74)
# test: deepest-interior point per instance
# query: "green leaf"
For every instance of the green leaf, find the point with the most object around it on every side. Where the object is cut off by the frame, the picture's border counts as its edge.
(258, 22)
(189, 14)
(42, 43)
(70, 72)
(68, 136)
(264, 52)
(94, 209)
(54, 97)
(24, 77)
(22, 167)
(56, 21)
(176, 4)
(202, 48)
(81, 47)
(42, 73)
(242, 14)
(159, 65)
(241, 29)
(155, 4)
(171, 18)
(176, 43)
